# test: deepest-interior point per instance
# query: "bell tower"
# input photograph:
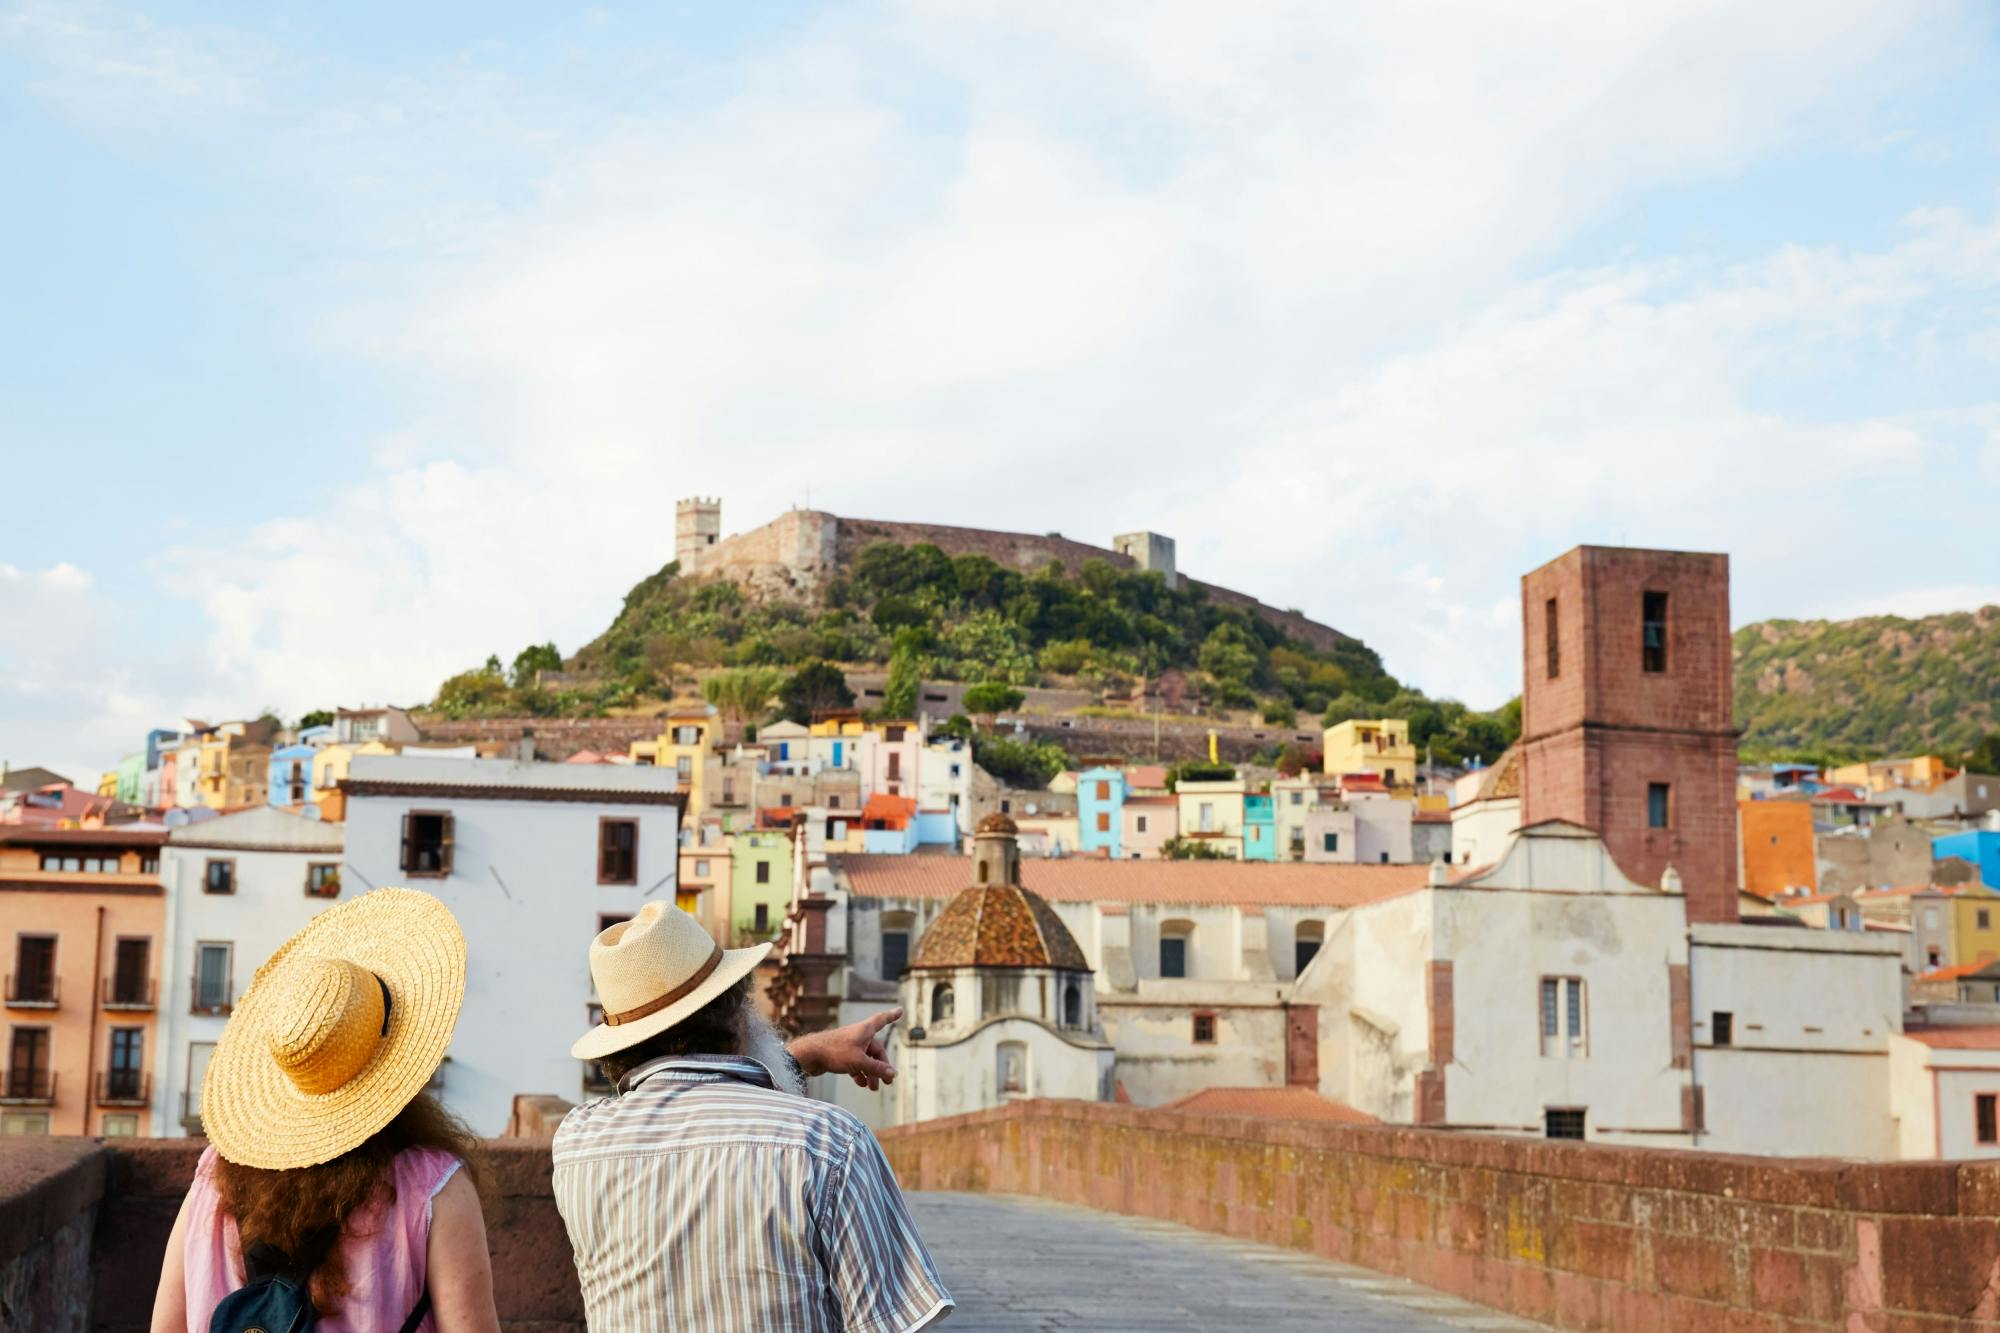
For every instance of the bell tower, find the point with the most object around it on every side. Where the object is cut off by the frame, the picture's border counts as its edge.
(1627, 722)
(697, 526)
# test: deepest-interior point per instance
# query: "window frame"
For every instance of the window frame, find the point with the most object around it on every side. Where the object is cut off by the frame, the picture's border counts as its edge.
(1722, 1027)
(1986, 1119)
(1568, 1045)
(1200, 1020)
(1183, 938)
(54, 994)
(228, 1004)
(446, 843)
(208, 870)
(604, 870)
(1665, 793)
(1654, 659)
(1552, 637)
(1582, 1114)
(313, 868)
(118, 943)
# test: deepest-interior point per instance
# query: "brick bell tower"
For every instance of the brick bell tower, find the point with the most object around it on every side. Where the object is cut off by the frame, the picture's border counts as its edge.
(1627, 726)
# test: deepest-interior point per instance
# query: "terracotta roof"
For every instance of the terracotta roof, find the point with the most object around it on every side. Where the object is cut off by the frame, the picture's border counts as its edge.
(1843, 796)
(775, 816)
(1270, 1103)
(126, 835)
(1956, 971)
(1146, 775)
(999, 925)
(883, 811)
(1151, 800)
(1971, 1037)
(997, 823)
(1071, 879)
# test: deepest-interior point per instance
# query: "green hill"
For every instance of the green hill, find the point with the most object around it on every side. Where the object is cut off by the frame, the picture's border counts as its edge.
(924, 614)
(1880, 685)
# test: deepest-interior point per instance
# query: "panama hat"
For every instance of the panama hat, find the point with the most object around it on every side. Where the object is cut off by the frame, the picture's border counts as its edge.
(338, 1030)
(654, 971)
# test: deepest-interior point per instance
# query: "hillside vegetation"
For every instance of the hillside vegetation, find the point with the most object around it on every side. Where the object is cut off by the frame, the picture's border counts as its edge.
(925, 615)
(1881, 685)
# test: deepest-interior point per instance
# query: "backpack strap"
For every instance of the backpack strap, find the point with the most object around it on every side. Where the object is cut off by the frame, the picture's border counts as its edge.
(417, 1315)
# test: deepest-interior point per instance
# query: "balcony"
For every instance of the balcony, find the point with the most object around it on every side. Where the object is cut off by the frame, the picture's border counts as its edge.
(124, 1087)
(211, 999)
(130, 994)
(28, 1087)
(34, 992)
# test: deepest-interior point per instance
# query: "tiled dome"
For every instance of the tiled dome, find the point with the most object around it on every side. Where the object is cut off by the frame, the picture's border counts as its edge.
(999, 925)
(997, 823)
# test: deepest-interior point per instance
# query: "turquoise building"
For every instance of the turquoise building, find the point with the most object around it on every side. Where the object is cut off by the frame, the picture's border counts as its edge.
(1260, 829)
(1100, 811)
(1979, 846)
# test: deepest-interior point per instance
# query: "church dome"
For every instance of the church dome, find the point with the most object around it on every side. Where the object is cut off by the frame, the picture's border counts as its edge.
(999, 925)
(998, 823)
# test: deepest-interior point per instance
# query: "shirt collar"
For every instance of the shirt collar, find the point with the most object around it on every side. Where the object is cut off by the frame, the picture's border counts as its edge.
(699, 1069)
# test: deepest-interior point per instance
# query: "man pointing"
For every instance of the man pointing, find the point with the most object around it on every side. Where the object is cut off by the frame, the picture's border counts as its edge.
(709, 1192)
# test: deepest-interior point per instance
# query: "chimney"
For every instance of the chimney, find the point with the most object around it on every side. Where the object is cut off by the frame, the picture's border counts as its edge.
(524, 749)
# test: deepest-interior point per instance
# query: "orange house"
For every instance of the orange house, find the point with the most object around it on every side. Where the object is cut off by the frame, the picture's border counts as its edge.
(1777, 842)
(81, 915)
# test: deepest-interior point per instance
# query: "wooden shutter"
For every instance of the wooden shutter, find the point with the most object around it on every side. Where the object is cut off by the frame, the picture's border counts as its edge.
(444, 844)
(409, 861)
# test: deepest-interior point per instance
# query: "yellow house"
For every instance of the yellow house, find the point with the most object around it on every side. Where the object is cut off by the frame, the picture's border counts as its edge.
(1381, 747)
(1975, 926)
(1212, 813)
(330, 765)
(232, 763)
(684, 745)
(1919, 773)
(108, 784)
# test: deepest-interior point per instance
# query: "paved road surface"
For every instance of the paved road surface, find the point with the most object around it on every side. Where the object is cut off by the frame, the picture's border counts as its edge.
(1021, 1263)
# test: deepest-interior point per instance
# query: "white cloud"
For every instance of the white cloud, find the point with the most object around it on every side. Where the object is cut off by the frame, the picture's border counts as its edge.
(1264, 282)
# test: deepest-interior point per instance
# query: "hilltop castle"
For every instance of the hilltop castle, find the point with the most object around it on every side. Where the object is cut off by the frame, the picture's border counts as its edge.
(792, 557)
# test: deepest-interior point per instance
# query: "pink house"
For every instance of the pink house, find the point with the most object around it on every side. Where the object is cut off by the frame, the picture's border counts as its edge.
(1150, 822)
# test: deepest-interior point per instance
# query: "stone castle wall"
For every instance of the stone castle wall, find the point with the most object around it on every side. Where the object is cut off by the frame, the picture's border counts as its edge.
(791, 558)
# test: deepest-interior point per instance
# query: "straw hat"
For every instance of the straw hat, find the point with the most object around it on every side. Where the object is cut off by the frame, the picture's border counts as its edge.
(336, 1033)
(654, 971)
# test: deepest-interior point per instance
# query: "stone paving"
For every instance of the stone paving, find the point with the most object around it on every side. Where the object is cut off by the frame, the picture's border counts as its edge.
(1022, 1263)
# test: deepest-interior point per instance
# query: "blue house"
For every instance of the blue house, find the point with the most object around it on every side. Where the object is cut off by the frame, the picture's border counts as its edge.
(1260, 829)
(1100, 810)
(1979, 846)
(291, 776)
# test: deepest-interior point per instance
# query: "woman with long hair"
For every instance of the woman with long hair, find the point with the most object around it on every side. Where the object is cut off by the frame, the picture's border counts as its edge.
(334, 1185)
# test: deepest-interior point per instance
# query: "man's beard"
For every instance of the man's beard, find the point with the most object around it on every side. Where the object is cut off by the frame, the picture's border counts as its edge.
(758, 1039)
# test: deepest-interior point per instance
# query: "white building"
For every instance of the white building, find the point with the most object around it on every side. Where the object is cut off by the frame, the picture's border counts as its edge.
(237, 886)
(1486, 809)
(534, 859)
(998, 1000)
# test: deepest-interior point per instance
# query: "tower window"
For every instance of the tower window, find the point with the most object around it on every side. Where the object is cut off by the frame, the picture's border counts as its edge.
(1653, 632)
(1658, 804)
(1986, 1113)
(1564, 1122)
(1549, 630)
(1721, 1028)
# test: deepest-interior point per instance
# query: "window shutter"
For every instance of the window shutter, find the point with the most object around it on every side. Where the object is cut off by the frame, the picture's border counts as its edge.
(409, 862)
(444, 846)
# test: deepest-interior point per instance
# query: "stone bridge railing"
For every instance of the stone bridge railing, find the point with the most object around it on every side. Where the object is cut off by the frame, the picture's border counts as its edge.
(1579, 1235)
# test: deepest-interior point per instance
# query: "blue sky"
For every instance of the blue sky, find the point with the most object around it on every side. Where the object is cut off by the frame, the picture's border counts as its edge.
(341, 349)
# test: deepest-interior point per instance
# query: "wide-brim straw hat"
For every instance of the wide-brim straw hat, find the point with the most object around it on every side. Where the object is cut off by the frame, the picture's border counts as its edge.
(338, 1030)
(654, 971)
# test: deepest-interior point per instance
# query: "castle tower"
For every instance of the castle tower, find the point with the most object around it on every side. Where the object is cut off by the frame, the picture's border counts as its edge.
(1627, 726)
(1149, 550)
(697, 526)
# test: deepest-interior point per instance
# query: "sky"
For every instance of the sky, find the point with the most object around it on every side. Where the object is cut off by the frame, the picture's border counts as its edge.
(342, 345)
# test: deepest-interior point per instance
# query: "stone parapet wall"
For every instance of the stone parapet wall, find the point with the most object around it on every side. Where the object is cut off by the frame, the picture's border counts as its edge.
(84, 1224)
(556, 738)
(1578, 1235)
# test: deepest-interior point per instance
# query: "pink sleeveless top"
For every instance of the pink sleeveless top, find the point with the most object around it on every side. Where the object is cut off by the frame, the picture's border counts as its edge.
(386, 1260)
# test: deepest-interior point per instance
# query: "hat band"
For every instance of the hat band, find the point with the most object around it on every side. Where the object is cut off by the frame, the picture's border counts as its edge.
(680, 992)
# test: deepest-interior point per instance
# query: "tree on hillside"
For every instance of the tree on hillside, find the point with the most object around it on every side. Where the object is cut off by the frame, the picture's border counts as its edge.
(319, 717)
(815, 688)
(1985, 756)
(745, 694)
(536, 657)
(1019, 763)
(990, 698)
(906, 671)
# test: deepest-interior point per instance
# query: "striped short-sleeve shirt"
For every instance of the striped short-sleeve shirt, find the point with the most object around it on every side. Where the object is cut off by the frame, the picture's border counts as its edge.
(702, 1197)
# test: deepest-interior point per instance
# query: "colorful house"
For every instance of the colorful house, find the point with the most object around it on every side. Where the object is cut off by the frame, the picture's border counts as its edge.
(1260, 829)
(760, 878)
(1381, 747)
(1776, 838)
(1148, 823)
(1292, 799)
(1100, 811)
(83, 969)
(1979, 846)
(832, 739)
(684, 746)
(889, 824)
(330, 765)
(785, 741)
(232, 764)
(1211, 812)
(290, 781)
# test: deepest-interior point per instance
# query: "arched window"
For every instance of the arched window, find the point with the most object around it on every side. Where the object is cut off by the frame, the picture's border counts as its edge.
(942, 1002)
(982, 870)
(1012, 1073)
(1072, 1005)
(1305, 944)
(898, 928)
(1175, 938)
